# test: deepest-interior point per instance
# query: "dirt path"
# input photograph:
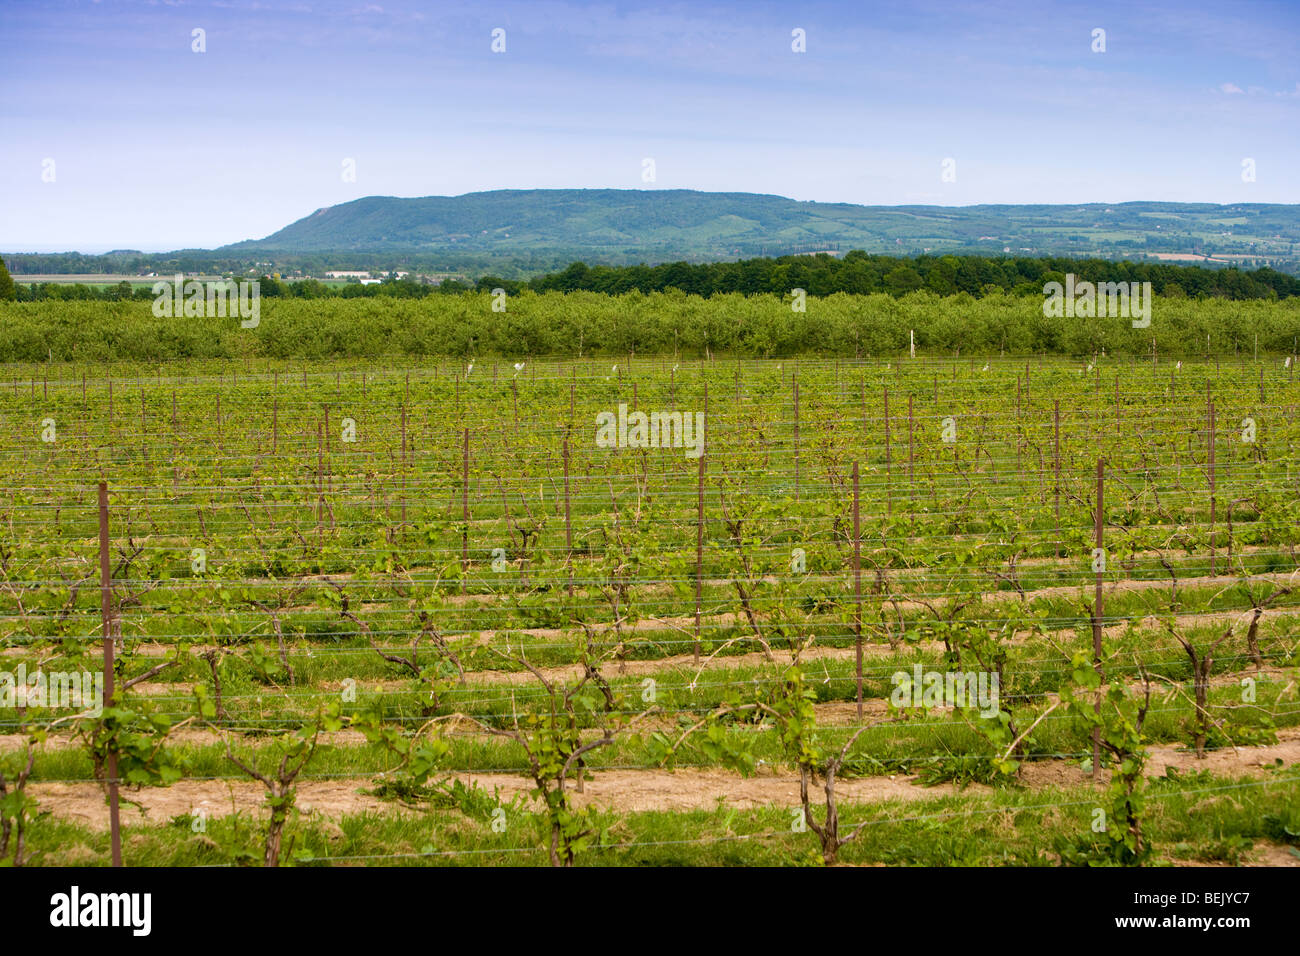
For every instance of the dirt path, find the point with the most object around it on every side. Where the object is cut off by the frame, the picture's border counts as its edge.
(621, 790)
(1246, 761)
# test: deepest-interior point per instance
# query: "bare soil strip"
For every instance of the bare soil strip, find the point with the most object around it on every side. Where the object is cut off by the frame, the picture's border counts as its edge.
(623, 790)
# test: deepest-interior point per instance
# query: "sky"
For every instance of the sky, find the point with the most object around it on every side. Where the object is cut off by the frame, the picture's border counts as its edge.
(119, 134)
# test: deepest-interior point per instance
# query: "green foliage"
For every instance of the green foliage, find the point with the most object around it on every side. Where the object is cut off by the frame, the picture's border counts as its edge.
(17, 806)
(590, 323)
(419, 755)
(7, 289)
(1119, 720)
(137, 734)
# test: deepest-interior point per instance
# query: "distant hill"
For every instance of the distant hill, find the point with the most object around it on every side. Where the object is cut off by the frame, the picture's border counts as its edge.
(520, 233)
(629, 225)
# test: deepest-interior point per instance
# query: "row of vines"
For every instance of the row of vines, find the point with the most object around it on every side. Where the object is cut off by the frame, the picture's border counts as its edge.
(422, 580)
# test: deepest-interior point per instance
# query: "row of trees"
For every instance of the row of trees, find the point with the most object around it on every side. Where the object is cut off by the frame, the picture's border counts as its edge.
(864, 274)
(269, 287)
(8, 291)
(856, 273)
(588, 323)
(517, 263)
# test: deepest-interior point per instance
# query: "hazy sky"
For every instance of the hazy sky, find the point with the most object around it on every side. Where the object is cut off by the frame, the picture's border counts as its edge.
(155, 146)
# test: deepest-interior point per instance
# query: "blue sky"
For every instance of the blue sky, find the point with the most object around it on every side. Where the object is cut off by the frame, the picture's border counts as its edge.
(158, 147)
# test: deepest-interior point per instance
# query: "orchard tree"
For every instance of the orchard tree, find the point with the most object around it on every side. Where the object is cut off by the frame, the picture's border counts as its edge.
(7, 288)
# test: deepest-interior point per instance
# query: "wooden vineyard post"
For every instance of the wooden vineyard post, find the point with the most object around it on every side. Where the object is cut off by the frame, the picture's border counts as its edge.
(911, 455)
(404, 467)
(1117, 402)
(329, 463)
(1209, 406)
(320, 481)
(1097, 612)
(1019, 426)
(889, 498)
(275, 403)
(106, 610)
(794, 382)
(464, 507)
(568, 521)
(857, 585)
(862, 400)
(1056, 468)
(699, 550)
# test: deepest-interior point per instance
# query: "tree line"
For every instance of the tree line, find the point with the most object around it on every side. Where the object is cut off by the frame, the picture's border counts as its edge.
(856, 273)
(861, 273)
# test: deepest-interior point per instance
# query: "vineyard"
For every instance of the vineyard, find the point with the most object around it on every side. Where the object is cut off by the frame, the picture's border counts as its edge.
(426, 611)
